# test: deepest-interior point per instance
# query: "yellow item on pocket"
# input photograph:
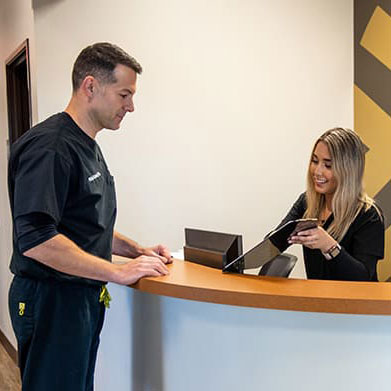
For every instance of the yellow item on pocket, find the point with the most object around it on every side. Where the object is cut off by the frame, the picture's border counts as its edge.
(22, 307)
(105, 296)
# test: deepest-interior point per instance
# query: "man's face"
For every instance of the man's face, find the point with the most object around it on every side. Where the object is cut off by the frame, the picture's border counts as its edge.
(112, 101)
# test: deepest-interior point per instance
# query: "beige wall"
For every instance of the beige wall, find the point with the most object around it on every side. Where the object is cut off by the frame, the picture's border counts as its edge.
(16, 24)
(232, 97)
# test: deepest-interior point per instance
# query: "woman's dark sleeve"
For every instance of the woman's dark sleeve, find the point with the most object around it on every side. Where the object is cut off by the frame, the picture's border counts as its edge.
(359, 264)
(296, 212)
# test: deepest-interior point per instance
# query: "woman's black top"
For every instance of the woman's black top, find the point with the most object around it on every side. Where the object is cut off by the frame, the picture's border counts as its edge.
(361, 247)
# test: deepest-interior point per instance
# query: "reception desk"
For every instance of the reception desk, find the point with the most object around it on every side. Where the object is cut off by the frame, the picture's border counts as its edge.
(195, 282)
(200, 329)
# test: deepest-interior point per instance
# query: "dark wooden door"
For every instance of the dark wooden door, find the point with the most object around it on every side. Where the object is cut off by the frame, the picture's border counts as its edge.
(18, 92)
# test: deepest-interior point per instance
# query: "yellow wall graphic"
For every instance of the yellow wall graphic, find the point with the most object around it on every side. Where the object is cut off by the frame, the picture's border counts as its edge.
(372, 105)
(376, 38)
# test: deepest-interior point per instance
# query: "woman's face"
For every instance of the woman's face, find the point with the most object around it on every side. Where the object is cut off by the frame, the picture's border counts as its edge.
(321, 170)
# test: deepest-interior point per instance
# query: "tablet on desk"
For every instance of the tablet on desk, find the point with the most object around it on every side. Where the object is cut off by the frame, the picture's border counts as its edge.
(269, 248)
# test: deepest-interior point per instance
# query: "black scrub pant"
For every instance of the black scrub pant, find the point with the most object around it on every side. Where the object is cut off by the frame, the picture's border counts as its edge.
(57, 326)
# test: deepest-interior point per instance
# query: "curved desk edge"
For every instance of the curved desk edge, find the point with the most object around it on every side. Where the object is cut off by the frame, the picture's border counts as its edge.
(195, 282)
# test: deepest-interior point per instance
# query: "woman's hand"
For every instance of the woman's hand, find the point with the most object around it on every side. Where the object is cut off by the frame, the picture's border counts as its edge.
(314, 238)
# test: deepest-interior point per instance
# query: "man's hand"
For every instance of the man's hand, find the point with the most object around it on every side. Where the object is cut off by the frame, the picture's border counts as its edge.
(127, 247)
(144, 266)
(160, 251)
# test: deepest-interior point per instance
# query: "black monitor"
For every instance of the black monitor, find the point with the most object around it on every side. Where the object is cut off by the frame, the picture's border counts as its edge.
(213, 249)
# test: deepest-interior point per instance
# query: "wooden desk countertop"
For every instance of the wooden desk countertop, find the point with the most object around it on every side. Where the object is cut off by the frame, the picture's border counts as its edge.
(188, 280)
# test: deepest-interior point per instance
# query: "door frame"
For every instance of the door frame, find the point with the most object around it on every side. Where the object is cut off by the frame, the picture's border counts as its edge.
(21, 53)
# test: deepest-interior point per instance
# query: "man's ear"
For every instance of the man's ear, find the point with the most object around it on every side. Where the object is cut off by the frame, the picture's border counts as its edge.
(88, 86)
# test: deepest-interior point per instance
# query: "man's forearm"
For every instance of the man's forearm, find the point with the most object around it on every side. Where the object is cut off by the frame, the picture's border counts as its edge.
(61, 254)
(125, 247)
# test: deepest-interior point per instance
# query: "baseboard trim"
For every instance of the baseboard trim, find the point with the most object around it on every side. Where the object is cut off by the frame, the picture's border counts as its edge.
(9, 348)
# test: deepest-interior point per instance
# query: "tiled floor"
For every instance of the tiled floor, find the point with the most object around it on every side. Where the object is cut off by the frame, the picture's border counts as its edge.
(9, 372)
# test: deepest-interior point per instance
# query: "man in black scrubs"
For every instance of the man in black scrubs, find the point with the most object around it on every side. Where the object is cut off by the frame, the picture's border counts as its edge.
(63, 206)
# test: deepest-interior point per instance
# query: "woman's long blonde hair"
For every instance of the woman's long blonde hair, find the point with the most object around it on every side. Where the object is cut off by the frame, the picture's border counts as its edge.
(348, 162)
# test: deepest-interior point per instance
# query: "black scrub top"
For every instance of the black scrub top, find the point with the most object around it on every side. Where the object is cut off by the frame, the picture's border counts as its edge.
(57, 171)
(361, 247)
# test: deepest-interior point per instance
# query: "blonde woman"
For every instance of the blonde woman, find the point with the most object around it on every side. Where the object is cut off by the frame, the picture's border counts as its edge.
(349, 239)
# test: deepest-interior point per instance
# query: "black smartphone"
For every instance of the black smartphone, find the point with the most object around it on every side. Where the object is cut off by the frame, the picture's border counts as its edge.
(304, 225)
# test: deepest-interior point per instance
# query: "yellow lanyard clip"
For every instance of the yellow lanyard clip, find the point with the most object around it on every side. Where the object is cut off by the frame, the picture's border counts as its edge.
(105, 296)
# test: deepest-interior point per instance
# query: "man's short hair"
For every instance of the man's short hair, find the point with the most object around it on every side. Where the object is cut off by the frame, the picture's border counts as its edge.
(99, 60)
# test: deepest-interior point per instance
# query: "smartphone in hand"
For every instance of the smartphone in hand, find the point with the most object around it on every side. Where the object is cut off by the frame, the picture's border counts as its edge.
(303, 225)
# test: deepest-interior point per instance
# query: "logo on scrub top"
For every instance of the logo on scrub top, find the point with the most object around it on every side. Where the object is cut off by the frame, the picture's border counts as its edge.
(95, 176)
